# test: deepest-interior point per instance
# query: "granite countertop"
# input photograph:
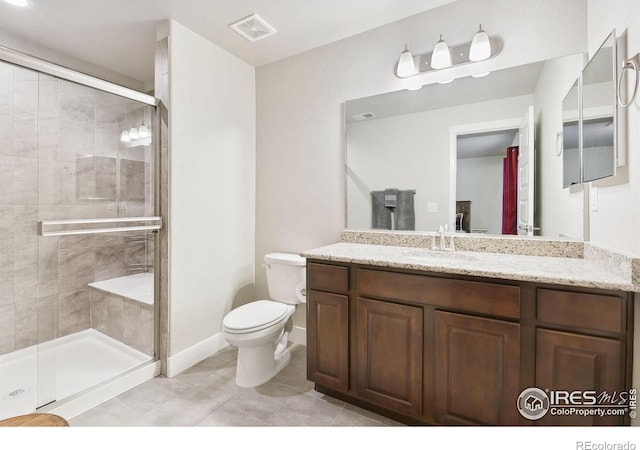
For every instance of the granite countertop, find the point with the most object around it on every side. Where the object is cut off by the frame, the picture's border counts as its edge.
(541, 269)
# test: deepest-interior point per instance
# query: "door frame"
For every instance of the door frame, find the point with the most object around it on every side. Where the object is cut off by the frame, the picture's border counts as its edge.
(472, 128)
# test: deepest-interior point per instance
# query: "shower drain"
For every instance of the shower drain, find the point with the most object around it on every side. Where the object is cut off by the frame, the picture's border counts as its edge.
(19, 392)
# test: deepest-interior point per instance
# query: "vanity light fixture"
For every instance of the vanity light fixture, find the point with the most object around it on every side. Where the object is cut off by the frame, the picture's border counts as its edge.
(136, 133)
(406, 64)
(133, 134)
(441, 56)
(481, 48)
(143, 131)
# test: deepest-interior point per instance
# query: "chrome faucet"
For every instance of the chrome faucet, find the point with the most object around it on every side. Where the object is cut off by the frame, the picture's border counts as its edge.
(442, 232)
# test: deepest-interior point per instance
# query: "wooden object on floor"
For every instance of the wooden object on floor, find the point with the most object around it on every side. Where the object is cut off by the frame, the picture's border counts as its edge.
(35, 420)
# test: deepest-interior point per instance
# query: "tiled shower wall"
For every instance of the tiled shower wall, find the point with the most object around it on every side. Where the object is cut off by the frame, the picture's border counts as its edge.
(61, 158)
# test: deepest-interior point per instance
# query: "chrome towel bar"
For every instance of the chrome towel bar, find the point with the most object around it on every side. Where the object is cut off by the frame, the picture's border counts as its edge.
(631, 65)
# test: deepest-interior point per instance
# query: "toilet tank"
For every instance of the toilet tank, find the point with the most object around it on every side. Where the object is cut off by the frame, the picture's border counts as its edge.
(286, 277)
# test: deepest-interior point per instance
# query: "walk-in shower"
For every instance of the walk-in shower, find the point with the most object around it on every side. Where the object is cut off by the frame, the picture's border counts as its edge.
(78, 223)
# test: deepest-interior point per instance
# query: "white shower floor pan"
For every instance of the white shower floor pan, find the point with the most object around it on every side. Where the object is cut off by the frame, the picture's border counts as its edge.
(66, 366)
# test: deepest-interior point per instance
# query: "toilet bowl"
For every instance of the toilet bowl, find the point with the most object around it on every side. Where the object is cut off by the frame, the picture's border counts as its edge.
(260, 329)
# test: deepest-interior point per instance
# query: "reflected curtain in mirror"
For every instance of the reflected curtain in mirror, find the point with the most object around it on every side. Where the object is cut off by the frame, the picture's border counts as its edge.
(510, 192)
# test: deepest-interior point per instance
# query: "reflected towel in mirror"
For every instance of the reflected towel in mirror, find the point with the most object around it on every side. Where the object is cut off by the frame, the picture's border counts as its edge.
(404, 212)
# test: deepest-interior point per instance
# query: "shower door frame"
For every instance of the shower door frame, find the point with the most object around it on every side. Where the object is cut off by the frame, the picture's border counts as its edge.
(17, 58)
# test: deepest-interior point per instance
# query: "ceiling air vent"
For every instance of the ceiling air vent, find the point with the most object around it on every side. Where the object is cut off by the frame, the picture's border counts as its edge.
(364, 116)
(253, 28)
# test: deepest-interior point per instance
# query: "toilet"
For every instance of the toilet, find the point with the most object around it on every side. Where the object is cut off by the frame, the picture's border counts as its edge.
(260, 329)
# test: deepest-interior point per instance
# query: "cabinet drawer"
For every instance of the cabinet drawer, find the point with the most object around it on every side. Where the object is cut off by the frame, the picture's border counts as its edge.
(474, 296)
(576, 309)
(326, 277)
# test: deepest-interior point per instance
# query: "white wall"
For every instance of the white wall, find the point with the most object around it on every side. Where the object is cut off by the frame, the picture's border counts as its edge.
(480, 181)
(212, 189)
(412, 151)
(18, 44)
(615, 223)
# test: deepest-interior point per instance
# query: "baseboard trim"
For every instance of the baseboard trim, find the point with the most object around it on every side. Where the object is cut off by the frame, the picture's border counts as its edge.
(194, 354)
(202, 350)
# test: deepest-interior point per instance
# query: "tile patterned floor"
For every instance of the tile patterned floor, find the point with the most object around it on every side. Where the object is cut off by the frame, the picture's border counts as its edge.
(206, 396)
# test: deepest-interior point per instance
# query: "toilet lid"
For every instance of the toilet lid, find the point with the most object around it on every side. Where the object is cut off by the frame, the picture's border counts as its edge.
(255, 316)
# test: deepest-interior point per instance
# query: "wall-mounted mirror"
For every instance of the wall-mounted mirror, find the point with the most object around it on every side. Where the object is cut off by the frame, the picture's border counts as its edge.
(589, 120)
(599, 113)
(448, 139)
(571, 159)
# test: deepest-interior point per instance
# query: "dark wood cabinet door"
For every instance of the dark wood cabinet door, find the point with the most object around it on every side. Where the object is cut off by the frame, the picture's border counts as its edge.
(477, 370)
(389, 341)
(572, 362)
(328, 340)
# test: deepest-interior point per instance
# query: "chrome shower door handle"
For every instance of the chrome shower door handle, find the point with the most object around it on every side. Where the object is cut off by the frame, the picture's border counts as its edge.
(98, 225)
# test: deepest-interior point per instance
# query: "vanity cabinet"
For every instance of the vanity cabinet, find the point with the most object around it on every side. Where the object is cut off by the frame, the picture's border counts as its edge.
(477, 370)
(328, 339)
(389, 354)
(434, 348)
(328, 326)
(580, 345)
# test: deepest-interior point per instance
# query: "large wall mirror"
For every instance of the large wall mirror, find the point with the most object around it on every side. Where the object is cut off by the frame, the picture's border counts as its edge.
(437, 155)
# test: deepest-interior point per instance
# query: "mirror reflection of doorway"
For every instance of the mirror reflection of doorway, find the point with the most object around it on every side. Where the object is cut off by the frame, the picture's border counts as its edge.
(480, 180)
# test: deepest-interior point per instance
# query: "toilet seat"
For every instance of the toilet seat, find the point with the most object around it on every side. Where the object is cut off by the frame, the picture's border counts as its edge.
(255, 316)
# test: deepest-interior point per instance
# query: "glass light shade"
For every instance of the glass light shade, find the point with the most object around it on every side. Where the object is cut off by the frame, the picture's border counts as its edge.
(133, 133)
(406, 65)
(143, 132)
(124, 137)
(441, 56)
(480, 46)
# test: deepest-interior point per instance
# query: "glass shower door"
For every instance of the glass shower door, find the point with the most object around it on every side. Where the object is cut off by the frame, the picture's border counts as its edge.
(25, 319)
(77, 232)
(95, 236)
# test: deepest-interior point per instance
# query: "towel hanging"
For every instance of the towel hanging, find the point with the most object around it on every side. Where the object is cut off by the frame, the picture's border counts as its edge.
(403, 212)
